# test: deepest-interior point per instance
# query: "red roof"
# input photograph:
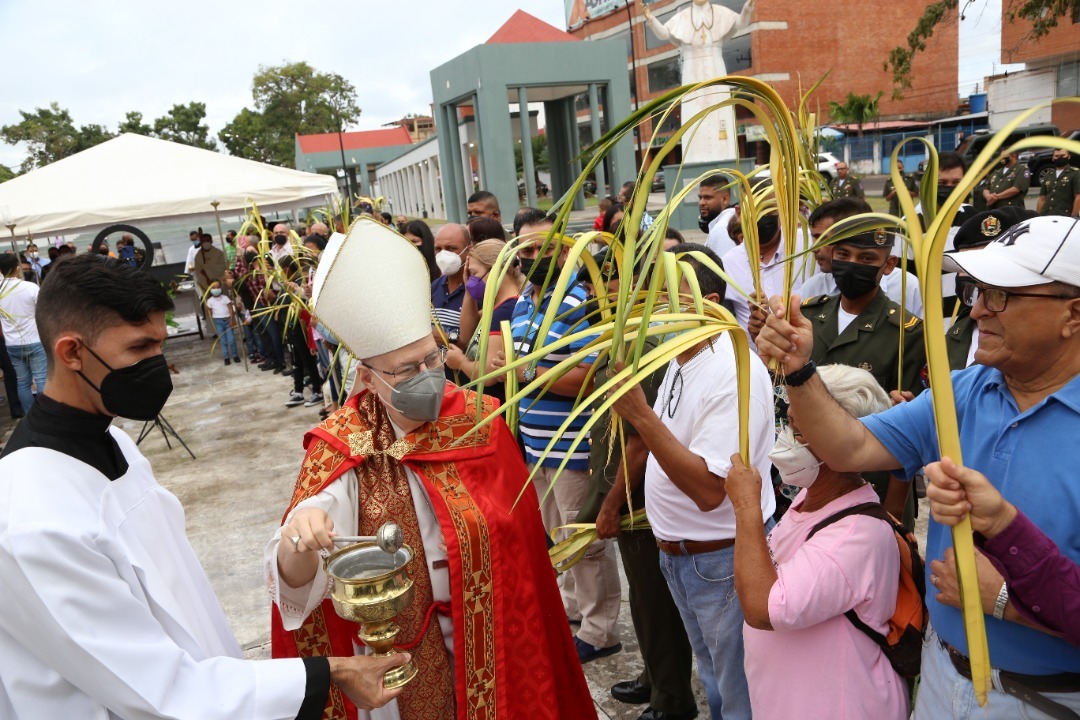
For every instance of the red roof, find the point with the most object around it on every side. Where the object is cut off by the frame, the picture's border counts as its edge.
(524, 28)
(328, 142)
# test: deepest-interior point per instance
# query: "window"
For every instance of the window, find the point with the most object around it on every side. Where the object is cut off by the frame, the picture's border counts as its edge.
(1068, 79)
(664, 75)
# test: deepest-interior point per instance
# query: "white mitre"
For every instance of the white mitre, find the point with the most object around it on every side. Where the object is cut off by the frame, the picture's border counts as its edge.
(372, 290)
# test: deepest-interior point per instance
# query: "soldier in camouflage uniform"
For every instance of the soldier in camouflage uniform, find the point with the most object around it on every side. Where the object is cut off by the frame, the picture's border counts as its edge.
(889, 193)
(845, 185)
(871, 339)
(1060, 194)
(1006, 186)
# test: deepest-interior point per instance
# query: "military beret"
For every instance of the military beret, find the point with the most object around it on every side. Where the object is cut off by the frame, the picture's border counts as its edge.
(874, 239)
(985, 227)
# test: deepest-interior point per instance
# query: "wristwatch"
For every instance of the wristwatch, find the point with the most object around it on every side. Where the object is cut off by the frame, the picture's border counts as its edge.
(529, 373)
(801, 375)
(1001, 602)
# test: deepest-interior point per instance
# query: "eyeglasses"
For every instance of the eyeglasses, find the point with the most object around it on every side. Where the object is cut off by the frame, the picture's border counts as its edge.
(996, 299)
(408, 371)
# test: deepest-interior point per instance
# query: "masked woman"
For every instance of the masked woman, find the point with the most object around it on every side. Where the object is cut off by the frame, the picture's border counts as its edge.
(795, 589)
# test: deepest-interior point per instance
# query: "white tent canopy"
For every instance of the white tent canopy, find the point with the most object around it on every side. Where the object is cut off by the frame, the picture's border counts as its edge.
(133, 177)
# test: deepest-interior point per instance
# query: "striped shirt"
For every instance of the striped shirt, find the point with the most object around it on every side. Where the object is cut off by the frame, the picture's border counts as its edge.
(541, 416)
(447, 306)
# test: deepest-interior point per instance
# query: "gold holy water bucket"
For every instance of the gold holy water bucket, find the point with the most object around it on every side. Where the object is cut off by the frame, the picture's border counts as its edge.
(370, 587)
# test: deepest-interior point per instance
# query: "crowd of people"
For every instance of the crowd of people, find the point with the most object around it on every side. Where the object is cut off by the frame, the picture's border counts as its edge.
(780, 575)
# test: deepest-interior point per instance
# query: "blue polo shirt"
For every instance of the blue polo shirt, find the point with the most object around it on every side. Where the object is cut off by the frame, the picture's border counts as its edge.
(542, 415)
(1033, 459)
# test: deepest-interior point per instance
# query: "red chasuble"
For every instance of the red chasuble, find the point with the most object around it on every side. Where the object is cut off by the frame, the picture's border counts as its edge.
(513, 653)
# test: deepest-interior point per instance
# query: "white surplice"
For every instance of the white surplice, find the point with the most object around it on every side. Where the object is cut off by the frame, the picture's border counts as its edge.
(107, 612)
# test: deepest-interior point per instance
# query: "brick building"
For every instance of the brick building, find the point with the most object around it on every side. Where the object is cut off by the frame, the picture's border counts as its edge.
(793, 42)
(1056, 56)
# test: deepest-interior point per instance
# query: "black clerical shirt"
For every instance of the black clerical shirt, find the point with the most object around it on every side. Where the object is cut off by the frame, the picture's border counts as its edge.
(52, 425)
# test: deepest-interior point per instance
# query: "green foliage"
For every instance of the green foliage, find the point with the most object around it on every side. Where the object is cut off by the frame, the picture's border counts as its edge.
(856, 110)
(1043, 14)
(133, 123)
(289, 99)
(6, 173)
(184, 124)
(50, 134)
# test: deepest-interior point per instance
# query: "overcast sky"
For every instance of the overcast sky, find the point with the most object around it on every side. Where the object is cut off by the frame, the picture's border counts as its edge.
(100, 60)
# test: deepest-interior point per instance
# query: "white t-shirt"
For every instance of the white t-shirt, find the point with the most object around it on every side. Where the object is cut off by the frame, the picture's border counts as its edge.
(737, 266)
(701, 410)
(18, 302)
(719, 241)
(189, 265)
(219, 306)
(843, 319)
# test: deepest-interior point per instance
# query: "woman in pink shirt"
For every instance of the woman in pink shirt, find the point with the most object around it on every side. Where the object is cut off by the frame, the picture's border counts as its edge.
(804, 659)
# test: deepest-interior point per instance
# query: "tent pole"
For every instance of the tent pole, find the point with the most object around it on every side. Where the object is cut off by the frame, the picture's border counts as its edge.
(217, 216)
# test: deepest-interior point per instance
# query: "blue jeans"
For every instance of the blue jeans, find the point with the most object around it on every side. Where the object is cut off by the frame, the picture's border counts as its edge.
(30, 364)
(703, 587)
(226, 338)
(945, 693)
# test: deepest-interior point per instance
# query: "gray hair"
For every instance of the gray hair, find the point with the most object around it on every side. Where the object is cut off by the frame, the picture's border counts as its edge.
(854, 389)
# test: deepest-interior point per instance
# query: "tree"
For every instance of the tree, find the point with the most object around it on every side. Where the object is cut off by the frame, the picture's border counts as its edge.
(6, 173)
(50, 134)
(540, 157)
(857, 110)
(184, 124)
(289, 99)
(243, 137)
(1043, 14)
(133, 123)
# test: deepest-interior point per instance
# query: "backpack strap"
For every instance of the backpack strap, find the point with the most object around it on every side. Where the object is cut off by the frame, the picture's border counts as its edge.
(871, 509)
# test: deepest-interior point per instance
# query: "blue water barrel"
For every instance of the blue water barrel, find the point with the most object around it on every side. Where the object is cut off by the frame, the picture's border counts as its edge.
(977, 102)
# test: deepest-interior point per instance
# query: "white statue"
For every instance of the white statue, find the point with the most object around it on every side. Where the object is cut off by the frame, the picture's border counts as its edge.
(699, 31)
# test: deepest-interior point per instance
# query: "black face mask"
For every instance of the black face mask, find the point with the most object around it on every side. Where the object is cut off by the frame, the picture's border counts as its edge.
(281, 239)
(136, 392)
(538, 267)
(854, 279)
(1061, 162)
(703, 223)
(943, 193)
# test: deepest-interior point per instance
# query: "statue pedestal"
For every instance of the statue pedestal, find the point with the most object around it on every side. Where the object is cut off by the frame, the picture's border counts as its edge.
(685, 217)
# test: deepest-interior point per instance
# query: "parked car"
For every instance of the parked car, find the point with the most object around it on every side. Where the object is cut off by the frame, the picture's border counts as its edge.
(1039, 160)
(658, 182)
(973, 144)
(826, 165)
(542, 189)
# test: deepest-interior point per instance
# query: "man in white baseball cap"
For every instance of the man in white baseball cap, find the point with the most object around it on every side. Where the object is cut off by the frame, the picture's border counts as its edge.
(1018, 412)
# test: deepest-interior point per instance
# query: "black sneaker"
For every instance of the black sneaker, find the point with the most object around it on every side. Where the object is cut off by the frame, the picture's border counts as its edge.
(236, 360)
(316, 399)
(295, 399)
(227, 361)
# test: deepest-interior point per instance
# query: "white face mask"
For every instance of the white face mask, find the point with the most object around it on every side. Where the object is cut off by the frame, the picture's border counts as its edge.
(34, 255)
(797, 465)
(448, 261)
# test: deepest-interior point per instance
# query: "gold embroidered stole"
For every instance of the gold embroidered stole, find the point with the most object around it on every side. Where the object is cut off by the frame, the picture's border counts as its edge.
(385, 496)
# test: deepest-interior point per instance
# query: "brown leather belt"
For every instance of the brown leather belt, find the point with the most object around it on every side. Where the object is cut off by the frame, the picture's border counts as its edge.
(1026, 687)
(693, 547)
